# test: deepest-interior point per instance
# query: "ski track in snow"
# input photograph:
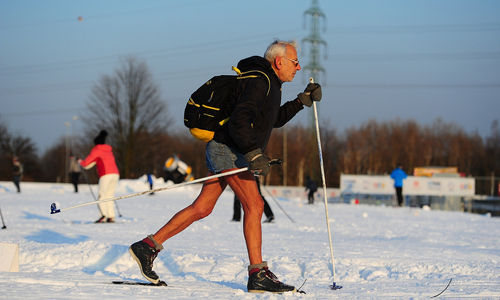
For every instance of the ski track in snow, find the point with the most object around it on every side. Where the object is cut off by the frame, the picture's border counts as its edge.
(380, 252)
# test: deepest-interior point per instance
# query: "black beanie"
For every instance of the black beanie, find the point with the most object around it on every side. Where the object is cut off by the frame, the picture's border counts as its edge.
(101, 138)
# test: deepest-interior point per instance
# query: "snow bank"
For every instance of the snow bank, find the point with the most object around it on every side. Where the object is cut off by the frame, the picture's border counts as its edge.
(380, 252)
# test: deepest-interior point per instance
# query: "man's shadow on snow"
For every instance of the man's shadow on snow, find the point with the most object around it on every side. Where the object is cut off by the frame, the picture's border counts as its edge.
(175, 269)
(30, 216)
(51, 237)
(114, 253)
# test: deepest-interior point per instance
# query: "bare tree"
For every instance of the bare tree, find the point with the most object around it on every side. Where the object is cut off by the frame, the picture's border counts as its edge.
(5, 156)
(53, 161)
(128, 105)
(14, 144)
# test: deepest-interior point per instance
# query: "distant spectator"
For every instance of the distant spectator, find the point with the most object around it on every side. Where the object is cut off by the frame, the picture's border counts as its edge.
(74, 171)
(17, 172)
(312, 188)
(176, 170)
(398, 175)
(150, 181)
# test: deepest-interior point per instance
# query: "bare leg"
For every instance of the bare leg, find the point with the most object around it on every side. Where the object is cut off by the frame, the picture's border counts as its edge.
(199, 209)
(245, 188)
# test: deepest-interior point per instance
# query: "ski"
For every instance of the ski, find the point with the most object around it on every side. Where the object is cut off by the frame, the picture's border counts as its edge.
(121, 220)
(129, 282)
(89, 222)
(163, 283)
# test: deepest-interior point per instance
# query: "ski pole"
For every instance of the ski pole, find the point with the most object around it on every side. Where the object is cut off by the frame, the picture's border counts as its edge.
(91, 191)
(4, 227)
(118, 209)
(55, 210)
(318, 137)
(277, 203)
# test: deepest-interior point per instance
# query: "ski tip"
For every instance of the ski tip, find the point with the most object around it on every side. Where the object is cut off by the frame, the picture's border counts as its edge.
(334, 287)
(53, 209)
(125, 282)
(161, 283)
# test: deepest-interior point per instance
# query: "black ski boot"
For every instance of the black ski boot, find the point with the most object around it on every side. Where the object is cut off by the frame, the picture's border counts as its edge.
(270, 219)
(263, 280)
(101, 220)
(144, 255)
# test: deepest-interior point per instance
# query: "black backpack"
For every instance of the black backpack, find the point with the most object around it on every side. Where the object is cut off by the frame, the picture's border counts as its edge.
(207, 109)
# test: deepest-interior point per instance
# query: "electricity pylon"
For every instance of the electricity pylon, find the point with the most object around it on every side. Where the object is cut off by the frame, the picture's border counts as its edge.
(314, 68)
(314, 39)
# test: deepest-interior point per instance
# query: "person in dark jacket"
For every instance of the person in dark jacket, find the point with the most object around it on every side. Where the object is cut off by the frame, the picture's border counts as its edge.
(241, 142)
(312, 188)
(17, 173)
(74, 171)
(176, 170)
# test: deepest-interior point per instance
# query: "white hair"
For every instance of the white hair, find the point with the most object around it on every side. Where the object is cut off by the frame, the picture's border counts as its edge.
(278, 48)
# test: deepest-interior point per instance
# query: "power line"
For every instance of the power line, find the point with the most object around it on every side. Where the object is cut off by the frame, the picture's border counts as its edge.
(332, 57)
(415, 56)
(405, 29)
(417, 86)
(48, 112)
(58, 87)
(176, 51)
(46, 88)
(221, 44)
(170, 75)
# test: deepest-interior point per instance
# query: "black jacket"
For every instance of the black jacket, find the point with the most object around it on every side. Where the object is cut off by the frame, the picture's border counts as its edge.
(255, 113)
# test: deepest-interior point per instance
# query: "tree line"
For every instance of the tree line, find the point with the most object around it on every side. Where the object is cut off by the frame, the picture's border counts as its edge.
(376, 148)
(373, 148)
(129, 106)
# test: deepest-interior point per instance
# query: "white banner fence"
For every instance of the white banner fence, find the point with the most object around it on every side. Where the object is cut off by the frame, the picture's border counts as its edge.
(412, 186)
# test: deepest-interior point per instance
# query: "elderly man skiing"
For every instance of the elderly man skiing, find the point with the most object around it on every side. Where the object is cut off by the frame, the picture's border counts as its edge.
(241, 143)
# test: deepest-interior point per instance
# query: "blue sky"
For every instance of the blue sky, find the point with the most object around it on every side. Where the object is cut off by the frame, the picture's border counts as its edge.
(384, 60)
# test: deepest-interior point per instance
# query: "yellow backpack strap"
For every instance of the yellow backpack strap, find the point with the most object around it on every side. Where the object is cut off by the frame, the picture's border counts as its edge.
(236, 70)
(240, 74)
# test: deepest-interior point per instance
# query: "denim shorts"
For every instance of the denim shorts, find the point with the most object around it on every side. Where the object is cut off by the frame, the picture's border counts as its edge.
(219, 157)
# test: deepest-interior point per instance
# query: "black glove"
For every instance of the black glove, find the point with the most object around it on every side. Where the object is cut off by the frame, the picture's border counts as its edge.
(257, 162)
(311, 93)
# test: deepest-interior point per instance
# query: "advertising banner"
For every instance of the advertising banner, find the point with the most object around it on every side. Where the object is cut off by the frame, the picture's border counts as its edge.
(420, 186)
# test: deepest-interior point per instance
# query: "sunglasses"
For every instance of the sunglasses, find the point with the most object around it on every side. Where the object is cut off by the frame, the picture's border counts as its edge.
(294, 61)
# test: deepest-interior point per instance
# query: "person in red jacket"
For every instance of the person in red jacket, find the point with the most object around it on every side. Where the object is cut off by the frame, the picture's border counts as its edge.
(102, 157)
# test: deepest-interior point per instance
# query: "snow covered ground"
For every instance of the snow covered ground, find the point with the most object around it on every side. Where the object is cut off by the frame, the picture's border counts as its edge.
(380, 252)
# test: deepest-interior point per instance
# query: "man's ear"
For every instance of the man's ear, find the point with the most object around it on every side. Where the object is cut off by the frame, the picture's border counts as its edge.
(277, 63)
